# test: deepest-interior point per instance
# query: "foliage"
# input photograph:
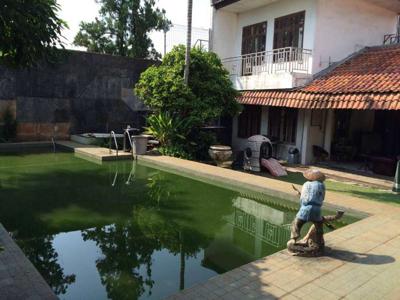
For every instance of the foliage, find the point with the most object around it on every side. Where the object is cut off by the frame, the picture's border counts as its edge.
(30, 30)
(203, 141)
(167, 129)
(171, 132)
(208, 96)
(179, 151)
(9, 128)
(123, 28)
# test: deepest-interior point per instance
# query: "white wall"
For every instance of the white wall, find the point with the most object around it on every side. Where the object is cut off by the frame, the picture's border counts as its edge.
(334, 29)
(224, 33)
(227, 27)
(275, 10)
(265, 81)
(346, 26)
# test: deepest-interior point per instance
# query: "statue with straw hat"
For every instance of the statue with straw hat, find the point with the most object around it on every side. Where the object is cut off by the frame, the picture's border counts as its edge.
(312, 197)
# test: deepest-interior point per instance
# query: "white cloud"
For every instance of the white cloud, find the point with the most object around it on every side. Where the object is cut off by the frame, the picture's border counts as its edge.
(75, 11)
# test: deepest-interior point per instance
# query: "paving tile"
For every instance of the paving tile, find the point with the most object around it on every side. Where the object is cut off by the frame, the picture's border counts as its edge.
(364, 261)
(18, 278)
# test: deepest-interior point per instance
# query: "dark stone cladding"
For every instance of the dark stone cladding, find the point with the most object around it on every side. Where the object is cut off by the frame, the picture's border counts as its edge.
(89, 92)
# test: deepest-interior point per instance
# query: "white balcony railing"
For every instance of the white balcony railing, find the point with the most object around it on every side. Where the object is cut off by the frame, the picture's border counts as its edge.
(290, 59)
(391, 39)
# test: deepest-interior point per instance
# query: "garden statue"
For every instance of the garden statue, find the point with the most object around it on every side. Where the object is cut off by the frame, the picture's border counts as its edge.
(311, 199)
(311, 244)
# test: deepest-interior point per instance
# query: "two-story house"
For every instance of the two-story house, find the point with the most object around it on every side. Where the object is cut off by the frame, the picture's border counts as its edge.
(297, 61)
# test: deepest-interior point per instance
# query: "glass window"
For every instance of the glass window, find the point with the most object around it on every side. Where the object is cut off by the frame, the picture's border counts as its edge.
(249, 121)
(254, 38)
(282, 124)
(289, 31)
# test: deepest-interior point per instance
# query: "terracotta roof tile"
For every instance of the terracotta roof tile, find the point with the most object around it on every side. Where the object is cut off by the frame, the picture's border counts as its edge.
(368, 80)
(375, 69)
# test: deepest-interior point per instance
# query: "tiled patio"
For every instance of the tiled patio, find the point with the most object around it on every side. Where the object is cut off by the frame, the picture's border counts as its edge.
(363, 261)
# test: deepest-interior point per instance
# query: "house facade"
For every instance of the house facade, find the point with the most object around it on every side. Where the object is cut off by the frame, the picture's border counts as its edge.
(273, 49)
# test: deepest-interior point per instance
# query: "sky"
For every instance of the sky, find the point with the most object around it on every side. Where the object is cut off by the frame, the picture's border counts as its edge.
(75, 11)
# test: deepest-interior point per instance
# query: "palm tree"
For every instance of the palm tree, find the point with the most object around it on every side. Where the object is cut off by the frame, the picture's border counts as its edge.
(188, 41)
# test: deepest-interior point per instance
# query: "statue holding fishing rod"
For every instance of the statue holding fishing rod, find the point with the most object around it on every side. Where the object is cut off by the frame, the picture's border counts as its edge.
(312, 197)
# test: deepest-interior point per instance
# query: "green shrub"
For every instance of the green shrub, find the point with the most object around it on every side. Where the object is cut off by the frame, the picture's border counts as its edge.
(208, 96)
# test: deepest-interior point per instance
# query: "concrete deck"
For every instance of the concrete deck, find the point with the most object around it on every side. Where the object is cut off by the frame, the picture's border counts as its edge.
(94, 152)
(18, 277)
(363, 262)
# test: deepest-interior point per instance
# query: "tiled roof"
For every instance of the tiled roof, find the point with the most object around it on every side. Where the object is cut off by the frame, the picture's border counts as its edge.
(367, 80)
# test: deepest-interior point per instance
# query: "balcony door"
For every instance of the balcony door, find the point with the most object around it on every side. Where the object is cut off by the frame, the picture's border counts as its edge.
(289, 31)
(254, 39)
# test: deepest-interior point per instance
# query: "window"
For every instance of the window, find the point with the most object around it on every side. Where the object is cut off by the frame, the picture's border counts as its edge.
(249, 121)
(289, 31)
(282, 124)
(254, 38)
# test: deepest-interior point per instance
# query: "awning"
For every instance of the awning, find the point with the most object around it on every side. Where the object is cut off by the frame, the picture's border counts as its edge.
(300, 99)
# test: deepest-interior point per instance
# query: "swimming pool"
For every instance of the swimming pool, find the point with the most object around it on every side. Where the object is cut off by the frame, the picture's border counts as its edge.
(122, 230)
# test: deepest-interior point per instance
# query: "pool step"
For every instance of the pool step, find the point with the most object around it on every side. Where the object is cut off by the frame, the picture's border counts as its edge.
(94, 152)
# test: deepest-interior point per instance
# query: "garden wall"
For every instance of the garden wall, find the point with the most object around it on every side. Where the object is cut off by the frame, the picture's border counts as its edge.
(83, 92)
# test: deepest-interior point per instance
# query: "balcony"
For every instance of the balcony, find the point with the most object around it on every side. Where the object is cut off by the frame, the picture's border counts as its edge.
(277, 69)
(391, 39)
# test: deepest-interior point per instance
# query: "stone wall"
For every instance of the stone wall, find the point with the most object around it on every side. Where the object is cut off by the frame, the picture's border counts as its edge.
(83, 92)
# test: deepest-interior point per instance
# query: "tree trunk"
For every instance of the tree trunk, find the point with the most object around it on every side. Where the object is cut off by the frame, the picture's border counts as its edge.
(182, 264)
(188, 41)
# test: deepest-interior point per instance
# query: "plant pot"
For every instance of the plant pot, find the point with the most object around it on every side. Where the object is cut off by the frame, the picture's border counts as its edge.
(140, 143)
(222, 155)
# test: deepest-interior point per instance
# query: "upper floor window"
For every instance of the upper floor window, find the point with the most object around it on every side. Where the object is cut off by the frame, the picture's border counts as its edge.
(289, 31)
(254, 38)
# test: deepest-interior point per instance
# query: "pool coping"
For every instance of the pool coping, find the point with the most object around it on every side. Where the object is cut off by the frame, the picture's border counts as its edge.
(364, 255)
(232, 183)
(19, 279)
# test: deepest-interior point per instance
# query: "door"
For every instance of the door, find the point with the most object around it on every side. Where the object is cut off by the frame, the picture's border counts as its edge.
(288, 32)
(254, 39)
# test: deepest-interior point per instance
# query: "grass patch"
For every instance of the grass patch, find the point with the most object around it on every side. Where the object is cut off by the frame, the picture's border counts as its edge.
(349, 189)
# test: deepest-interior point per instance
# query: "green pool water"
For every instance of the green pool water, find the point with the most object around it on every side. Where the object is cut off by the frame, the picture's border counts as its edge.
(126, 231)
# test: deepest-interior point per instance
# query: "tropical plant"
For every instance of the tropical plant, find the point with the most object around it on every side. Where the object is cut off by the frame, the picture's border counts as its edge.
(123, 28)
(208, 96)
(171, 132)
(30, 30)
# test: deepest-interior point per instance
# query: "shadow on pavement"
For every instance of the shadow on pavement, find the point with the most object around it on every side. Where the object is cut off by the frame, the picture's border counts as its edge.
(359, 258)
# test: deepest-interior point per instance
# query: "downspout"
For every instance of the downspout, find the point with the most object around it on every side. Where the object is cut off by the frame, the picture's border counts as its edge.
(324, 130)
(302, 137)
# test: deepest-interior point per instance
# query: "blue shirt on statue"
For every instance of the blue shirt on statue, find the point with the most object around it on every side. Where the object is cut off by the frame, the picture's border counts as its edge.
(311, 199)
